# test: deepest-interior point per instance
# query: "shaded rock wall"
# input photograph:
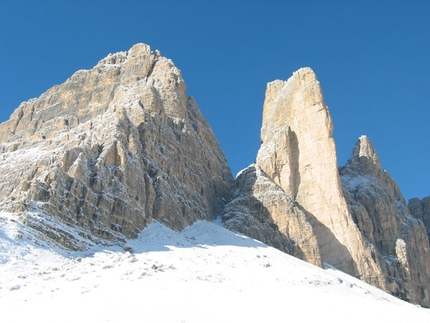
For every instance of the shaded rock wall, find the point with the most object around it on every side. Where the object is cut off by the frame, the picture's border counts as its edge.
(262, 210)
(420, 209)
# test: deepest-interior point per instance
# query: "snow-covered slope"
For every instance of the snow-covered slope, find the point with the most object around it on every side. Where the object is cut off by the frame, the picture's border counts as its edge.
(204, 273)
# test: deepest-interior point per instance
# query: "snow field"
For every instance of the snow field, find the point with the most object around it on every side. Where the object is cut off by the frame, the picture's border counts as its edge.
(204, 273)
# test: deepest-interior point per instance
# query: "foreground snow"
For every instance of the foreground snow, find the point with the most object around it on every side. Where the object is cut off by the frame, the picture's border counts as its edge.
(203, 274)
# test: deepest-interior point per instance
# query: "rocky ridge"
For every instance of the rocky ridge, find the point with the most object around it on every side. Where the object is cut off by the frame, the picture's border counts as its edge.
(111, 149)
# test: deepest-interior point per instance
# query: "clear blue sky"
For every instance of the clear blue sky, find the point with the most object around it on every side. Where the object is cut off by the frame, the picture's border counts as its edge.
(371, 57)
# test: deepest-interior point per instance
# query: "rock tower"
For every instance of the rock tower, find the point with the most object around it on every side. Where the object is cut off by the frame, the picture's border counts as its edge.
(296, 192)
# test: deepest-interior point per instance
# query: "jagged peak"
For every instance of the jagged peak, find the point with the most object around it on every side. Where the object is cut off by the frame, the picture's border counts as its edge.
(364, 159)
(365, 149)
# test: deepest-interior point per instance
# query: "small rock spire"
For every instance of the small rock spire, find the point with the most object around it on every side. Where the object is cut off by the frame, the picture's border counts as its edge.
(366, 149)
(364, 158)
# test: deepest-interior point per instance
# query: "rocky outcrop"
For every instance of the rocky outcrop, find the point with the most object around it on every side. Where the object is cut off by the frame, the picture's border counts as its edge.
(261, 209)
(296, 187)
(399, 240)
(111, 149)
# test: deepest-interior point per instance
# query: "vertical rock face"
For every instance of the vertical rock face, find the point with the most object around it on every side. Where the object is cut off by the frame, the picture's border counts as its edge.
(380, 211)
(420, 209)
(298, 152)
(111, 149)
(296, 187)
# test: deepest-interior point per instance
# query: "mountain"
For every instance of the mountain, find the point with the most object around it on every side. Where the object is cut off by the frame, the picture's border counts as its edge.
(296, 199)
(111, 149)
(203, 273)
(96, 160)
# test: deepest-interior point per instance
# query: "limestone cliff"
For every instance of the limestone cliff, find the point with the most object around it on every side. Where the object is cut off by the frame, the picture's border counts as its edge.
(297, 190)
(111, 149)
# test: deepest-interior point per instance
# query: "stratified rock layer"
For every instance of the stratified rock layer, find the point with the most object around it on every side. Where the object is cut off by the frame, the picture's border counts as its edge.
(111, 149)
(369, 234)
